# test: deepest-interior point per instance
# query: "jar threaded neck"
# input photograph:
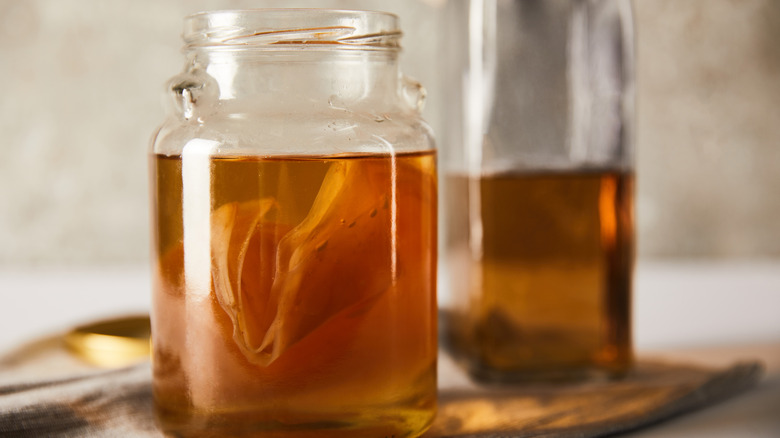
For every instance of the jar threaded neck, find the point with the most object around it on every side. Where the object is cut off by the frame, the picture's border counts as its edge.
(292, 29)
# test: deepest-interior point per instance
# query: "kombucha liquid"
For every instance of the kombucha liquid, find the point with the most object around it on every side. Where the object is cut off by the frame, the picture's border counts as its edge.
(295, 296)
(545, 293)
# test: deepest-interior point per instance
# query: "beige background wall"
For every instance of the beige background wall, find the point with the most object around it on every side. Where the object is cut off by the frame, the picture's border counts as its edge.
(81, 96)
(709, 127)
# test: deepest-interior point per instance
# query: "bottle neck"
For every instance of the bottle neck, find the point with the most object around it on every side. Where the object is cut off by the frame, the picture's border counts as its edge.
(290, 78)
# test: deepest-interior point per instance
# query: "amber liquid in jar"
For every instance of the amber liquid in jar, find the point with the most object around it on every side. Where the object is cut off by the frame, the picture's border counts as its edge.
(295, 296)
(549, 282)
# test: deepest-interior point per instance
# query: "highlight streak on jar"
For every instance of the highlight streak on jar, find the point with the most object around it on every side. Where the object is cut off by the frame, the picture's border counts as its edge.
(196, 205)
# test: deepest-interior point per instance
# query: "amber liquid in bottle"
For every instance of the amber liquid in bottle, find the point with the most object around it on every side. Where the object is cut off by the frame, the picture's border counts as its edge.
(545, 293)
(295, 296)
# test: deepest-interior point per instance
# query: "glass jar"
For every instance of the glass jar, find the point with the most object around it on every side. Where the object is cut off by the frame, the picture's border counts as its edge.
(294, 245)
(539, 189)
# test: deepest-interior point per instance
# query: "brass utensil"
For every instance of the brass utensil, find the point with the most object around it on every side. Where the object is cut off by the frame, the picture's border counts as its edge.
(111, 343)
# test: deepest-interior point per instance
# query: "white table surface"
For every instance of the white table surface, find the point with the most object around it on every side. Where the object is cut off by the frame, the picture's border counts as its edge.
(710, 312)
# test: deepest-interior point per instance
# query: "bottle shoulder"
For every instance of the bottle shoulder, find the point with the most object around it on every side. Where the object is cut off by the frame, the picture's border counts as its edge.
(333, 131)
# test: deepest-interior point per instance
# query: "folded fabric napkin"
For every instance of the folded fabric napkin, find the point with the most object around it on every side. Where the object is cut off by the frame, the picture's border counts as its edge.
(105, 404)
(118, 404)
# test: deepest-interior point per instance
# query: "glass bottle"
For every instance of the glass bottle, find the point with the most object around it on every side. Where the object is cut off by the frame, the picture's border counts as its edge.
(538, 165)
(294, 244)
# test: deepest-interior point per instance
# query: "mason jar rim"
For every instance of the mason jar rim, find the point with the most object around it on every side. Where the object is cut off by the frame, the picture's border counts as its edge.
(285, 29)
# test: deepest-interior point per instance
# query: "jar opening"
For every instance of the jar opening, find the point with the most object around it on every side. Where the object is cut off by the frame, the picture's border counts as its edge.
(285, 29)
